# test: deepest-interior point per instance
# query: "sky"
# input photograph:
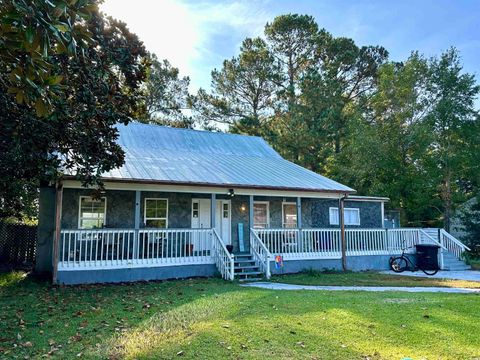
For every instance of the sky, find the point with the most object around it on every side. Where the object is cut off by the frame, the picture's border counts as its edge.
(196, 36)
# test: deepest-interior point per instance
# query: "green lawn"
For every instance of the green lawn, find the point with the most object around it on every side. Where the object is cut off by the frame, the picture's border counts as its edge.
(213, 319)
(369, 278)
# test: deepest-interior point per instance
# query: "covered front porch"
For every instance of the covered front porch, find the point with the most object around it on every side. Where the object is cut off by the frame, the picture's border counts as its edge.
(119, 248)
(156, 233)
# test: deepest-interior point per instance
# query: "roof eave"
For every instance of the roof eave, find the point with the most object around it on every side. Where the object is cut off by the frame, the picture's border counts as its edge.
(226, 186)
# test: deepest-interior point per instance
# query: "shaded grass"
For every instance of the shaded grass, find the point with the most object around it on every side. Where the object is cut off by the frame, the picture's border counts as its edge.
(369, 278)
(474, 263)
(213, 319)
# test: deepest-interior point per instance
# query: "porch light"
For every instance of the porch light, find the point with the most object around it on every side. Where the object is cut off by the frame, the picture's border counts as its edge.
(231, 193)
(243, 208)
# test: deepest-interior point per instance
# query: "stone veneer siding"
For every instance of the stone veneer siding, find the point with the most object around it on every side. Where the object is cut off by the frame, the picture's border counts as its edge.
(121, 211)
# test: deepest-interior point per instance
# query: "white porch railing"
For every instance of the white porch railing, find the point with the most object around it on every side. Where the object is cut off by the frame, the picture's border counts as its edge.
(366, 242)
(108, 248)
(223, 259)
(260, 253)
(326, 243)
(305, 243)
(452, 244)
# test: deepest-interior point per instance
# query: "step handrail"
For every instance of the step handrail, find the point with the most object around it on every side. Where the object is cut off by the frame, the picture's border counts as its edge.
(454, 239)
(260, 253)
(223, 259)
(436, 242)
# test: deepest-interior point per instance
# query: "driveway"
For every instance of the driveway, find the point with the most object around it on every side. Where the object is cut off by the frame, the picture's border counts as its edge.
(470, 275)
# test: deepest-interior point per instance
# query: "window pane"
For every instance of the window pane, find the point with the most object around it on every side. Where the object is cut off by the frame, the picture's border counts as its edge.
(352, 217)
(91, 224)
(156, 213)
(161, 223)
(162, 212)
(150, 213)
(92, 213)
(334, 216)
(260, 216)
(289, 215)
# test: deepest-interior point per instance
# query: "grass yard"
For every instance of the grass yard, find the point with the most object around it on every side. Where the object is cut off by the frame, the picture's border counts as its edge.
(369, 278)
(213, 319)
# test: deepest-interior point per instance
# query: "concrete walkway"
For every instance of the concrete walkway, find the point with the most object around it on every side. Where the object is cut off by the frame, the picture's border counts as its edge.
(469, 275)
(281, 286)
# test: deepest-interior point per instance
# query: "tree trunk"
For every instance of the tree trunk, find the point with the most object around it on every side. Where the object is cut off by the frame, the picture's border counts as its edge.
(447, 201)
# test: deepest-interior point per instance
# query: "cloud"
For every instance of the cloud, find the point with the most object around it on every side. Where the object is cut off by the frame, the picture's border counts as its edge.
(194, 36)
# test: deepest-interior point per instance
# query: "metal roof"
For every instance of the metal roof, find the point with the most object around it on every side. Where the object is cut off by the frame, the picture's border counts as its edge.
(181, 156)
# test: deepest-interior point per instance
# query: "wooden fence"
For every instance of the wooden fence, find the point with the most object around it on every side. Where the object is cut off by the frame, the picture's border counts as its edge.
(17, 244)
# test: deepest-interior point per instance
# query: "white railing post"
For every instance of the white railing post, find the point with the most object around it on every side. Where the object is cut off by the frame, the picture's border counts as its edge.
(440, 240)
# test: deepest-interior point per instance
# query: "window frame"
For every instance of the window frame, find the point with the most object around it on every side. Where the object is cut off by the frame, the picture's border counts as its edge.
(357, 210)
(80, 217)
(267, 203)
(155, 218)
(283, 214)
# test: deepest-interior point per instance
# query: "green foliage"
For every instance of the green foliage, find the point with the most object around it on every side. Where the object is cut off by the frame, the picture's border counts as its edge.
(470, 219)
(242, 91)
(165, 95)
(407, 130)
(31, 33)
(453, 122)
(77, 135)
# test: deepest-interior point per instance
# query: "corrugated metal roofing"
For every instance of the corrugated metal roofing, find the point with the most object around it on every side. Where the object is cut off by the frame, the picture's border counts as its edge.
(168, 155)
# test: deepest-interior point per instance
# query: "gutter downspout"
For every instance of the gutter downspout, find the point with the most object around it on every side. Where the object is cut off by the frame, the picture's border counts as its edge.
(341, 217)
(58, 228)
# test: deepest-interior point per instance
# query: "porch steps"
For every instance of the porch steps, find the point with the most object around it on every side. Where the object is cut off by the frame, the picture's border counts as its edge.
(452, 263)
(246, 269)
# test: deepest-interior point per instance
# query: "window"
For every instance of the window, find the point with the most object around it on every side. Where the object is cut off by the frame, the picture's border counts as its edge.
(261, 215)
(92, 212)
(195, 209)
(289, 211)
(156, 213)
(226, 211)
(352, 216)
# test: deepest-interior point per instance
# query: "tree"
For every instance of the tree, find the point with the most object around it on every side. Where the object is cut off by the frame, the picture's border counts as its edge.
(291, 39)
(335, 80)
(470, 219)
(99, 88)
(166, 95)
(31, 33)
(454, 128)
(385, 149)
(242, 91)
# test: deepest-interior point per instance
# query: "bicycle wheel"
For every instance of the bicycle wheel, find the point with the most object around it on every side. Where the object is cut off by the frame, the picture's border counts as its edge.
(398, 264)
(430, 272)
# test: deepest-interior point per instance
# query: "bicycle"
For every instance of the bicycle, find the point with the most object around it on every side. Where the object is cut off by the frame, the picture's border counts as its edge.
(401, 263)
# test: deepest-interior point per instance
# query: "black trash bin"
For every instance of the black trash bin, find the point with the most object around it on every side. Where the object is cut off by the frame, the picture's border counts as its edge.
(427, 256)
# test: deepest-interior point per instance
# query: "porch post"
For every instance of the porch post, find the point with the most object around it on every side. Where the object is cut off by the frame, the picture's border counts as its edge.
(136, 238)
(341, 217)
(299, 224)
(250, 213)
(213, 210)
(383, 213)
(58, 228)
(299, 212)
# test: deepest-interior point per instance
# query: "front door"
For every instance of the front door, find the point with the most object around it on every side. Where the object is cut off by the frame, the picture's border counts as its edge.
(201, 217)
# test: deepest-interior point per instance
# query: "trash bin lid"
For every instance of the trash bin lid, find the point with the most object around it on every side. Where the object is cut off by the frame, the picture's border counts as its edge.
(426, 246)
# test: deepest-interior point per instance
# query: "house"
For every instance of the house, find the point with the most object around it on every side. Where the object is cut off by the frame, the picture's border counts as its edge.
(195, 203)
